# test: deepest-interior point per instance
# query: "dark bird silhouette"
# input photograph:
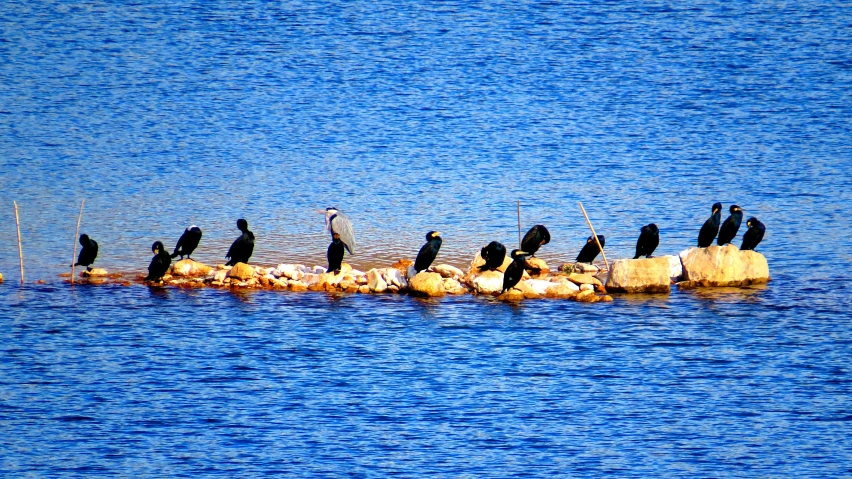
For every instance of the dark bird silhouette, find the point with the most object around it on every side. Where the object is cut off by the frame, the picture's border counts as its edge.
(188, 242)
(590, 249)
(88, 253)
(335, 254)
(649, 239)
(494, 254)
(428, 251)
(710, 228)
(241, 249)
(754, 235)
(515, 271)
(729, 228)
(159, 263)
(534, 239)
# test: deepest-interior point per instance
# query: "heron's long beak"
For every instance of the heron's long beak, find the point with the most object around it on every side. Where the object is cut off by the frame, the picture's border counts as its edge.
(322, 212)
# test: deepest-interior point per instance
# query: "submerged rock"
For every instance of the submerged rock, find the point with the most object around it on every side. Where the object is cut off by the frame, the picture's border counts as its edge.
(241, 271)
(644, 275)
(724, 266)
(427, 284)
(94, 273)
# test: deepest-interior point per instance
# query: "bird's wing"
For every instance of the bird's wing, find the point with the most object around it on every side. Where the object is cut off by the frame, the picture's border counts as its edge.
(529, 237)
(341, 225)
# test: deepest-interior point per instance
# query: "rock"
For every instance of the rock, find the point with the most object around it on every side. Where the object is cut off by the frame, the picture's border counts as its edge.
(448, 271)
(644, 275)
(513, 294)
(600, 289)
(393, 289)
(289, 271)
(478, 261)
(568, 284)
(403, 265)
(540, 286)
(364, 289)
(724, 266)
(220, 275)
(452, 286)
(252, 283)
(1, 277)
(527, 290)
(352, 289)
(190, 268)
(427, 284)
(489, 282)
(375, 281)
(345, 267)
(585, 268)
(261, 271)
(346, 284)
(536, 266)
(606, 299)
(310, 278)
(587, 297)
(561, 290)
(361, 279)
(675, 268)
(393, 276)
(297, 285)
(355, 273)
(578, 279)
(317, 269)
(241, 271)
(587, 287)
(329, 279)
(94, 272)
(410, 272)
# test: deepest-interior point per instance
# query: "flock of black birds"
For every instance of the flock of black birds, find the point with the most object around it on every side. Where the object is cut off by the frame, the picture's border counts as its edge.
(494, 254)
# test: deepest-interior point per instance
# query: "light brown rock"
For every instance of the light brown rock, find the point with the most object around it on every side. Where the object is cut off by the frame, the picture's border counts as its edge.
(220, 275)
(453, 286)
(489, 282)
(363, 289)
(94, 272)
(375, 281)
(513, 294)
(190, 268)
(644, 275)
(297, 286)
(578, 278)
(241, 271)
(427, 284)
(724, 266)
(403, 265)
(448, 271)
(587, 297)
(561, 290)
(536, 266)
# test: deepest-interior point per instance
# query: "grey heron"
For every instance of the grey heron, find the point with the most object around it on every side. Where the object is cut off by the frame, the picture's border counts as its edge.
(337, 222)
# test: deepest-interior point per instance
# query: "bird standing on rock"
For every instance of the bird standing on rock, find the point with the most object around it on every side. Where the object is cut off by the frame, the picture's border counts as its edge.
(710, 228)
(515, 271)
(88, 253)
(188, 242)
(428, 251)
(534, 239)
(729, 228)
(242, 247)
(754, 235)
(649, 239)
(337, 222)
(159, 263)
(494, 254)
(335, 254)
(590, 249)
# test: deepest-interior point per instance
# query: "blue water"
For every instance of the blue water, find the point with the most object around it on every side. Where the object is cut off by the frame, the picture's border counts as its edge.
(410, 117)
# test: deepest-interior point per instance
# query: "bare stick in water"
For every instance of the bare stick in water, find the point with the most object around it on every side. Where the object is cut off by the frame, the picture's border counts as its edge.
(595, 236)
(519, 224)
(76, 235)
(20, 247)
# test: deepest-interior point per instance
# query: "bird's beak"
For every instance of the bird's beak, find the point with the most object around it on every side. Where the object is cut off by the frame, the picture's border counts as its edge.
(522, 252)
(322, 212)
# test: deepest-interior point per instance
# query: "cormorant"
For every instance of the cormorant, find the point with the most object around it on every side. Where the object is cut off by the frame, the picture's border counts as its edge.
(515, 271)
(428, 251)
(337, 222)
(159, 263)
(590, 249)
(729, 228)
(242, 247)
(88, 253)
(534, 239)
(649, 239)
(754, 235)
(711, 227)
(188, 242)
(335, 254)
(494, 254)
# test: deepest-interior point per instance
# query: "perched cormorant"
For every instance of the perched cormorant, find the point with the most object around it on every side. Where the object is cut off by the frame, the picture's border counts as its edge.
(159, 263)
(88, 253)
(335, 254)
(242, 247)
(649, 239)
(754, 235)
(337, 222)
(534, 239)
(729, 228)
(494, 254)
(590, 249)
(428, 251)
(515, 271)
(711, 227)
(188, 242)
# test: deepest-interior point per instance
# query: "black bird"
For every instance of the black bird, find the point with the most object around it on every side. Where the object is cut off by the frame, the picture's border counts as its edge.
(242, 247)
(730, 227)
(649, 239)
(159, 263)
(428, 251)
(188, 242)
(88, 253)
(590, 249)
(335, 254)
(494, 254)
(711, 227)
(515, 271)
(534, 239)
(754, 235)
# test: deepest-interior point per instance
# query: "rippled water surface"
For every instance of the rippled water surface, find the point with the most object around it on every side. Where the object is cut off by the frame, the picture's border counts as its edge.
(410, 117)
